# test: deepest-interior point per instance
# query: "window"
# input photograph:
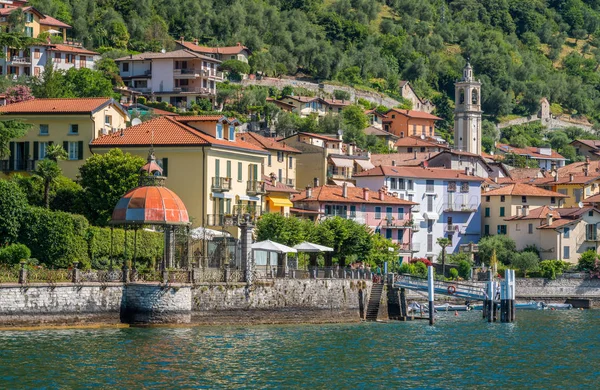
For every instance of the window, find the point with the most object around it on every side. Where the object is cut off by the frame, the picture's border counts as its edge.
(108, 120)
(393, 116)
(217, 168)
(577, 194)
(28, 17)
(377, 212)
(36, 53)
(523, 199)
(553, 200)
(519, 210)
(29, 31)
(280, 175)
(279, 156)
(414, 129)
(451, 186)
(37, 71)
(400, 235)
(125, 66)
(430, 243)
(401, 184)
(518, 227)
(231, 133)
(42, 149)
(352, 211)
(239, 177)
(73, 150)
(487, 198)
(486, 230)
(591, 213)
(73, 129)
(228, 165)
(57, 57)
(410, 185)
(501, 229)
(409, 150)
(228, 206)
(567, 232)
(530, 228)
(393, 183)
(464, 186)
(502, 211)
(290, 162)
(388, 233)
(487, 212)
(269, 160)
(566, 252)
(388, 213)
(429, 187)
(44, 130)
(429, 226)
(429, 203)
(502, 198)
(562, 191)
(400, 212)
(219, 131)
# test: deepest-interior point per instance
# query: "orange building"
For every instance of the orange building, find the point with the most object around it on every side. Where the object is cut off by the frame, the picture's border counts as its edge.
(404, 123)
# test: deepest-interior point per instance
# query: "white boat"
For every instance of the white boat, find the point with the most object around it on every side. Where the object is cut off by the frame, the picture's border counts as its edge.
(531, 305)
(558, 306)
(450, 307)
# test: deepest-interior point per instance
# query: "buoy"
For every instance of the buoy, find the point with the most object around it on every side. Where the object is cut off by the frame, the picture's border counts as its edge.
(456, 313)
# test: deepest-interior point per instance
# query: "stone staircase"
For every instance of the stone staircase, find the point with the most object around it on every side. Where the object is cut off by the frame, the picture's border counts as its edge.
(374, 300)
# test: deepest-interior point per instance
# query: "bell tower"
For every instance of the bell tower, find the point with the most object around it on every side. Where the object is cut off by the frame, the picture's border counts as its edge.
(467, 113)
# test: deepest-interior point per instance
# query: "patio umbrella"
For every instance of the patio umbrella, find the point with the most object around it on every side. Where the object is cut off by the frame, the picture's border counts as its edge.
(53, 31)
(272, 246)
(311, 247)
(202, 233)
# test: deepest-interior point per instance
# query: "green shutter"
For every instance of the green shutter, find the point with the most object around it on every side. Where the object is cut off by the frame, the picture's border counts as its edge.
(26, 156)
(66, 148)
(36, 150)
(239, 171)
(80, 150)
(11, 161)
(255, 172)
(217, 167)
(165, 167)
(228, 168)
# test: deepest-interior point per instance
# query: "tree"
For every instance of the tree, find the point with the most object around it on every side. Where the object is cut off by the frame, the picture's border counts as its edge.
(51, 83)
(284, 230)
(353, 116)
(12, 206)
(86, 82)
(286, 124)
(236, 67)
(106, 178)
(587, 260)
(56, 152)
(444, 242)
(347, 237)
(381, 253)
(48, 171)
(526, 262)
(9, 130)
(503, 245)
(110, 70)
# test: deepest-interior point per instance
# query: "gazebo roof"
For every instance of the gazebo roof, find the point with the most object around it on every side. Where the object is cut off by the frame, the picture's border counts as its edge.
(150, 205)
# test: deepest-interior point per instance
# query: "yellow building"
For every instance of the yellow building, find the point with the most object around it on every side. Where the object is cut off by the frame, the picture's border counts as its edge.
(513, 200)
(578, 186)
(72, 123)
(561, 233)
(217, 176)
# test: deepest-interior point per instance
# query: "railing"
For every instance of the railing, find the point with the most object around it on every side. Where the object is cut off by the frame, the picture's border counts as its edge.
(450, 228)
(416, 208)
(274, 272)
(472, 290)
(218, 275)
(9, 275)
(18, 165)
(141, 89)
(186, 72)
(405, 248)
(399, 223)
(415, 227)
(221, 184)
(339, 176)
(51, 276)
(255, 187)
(459, 208)
(200, 90)
(20, 60)
(415, 246)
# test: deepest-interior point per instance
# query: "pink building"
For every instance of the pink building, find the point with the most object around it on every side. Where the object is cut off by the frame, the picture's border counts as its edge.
(384, 214)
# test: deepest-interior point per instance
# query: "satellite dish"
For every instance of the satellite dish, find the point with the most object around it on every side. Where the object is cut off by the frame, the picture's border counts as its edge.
(340, 132)
(553, 173)
(163, 50)
(580, 204)
(136, 121)
(422, 136)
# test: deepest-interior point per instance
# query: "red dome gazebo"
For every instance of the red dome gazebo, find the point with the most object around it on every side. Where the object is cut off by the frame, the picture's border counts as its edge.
(151, 203)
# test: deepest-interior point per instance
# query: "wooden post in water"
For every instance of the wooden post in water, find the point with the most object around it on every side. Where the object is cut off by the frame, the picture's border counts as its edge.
(490, 296)
(512, 286)
(430, 290)
(504, 300)
(495, 301)
(403, 305)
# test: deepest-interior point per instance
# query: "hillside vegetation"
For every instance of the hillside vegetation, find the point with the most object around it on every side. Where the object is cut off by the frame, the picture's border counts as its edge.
(521, 49)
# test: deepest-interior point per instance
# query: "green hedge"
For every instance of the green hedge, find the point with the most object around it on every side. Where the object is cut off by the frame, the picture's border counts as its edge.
(14, 253)
(149, 247)
(55, 238)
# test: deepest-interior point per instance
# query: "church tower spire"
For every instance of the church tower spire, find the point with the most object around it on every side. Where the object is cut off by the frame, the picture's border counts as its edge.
(467, 113)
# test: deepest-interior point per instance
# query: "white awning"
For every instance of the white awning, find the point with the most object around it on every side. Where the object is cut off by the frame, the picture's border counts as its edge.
(222, 195)
(341, 183)
(311, 247)
(272, 246)
(431, 215)
(251, 198)
(365, 164)
(202, 233)
(342, 162)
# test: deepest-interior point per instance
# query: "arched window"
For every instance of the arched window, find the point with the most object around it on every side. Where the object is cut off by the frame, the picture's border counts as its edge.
(474, 96)
(461, 96)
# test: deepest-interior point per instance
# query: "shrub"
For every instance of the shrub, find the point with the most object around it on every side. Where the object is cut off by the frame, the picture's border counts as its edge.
(526, 261)
(453, 273)
(12, 205)
(464, 269)
(14, 253)
(141, 100)
(420, 269)
(421, 260)
(339, 94)
(56, 238)
(456, 258)
(406, 268)
(149, 247)
(550, 269)
(587, 260)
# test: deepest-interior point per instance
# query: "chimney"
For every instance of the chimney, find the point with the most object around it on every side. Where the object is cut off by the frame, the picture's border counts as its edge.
(351, 149)
(553, 165)
(382, 193)
(196, 41)
(316, 182)
(366, 193)
(472, 171)
(308, 191)
(496, 180)
(586, 166)
(393, 163)
(525, 211)
(467, 171)
(571, 177)
(345, 190)
(415, 154)
(549, 219)
(182, 39)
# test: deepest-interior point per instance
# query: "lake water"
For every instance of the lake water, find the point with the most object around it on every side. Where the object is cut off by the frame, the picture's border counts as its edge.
(543, 349)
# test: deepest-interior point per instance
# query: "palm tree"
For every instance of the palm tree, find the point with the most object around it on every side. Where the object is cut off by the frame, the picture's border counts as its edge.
(56, 152)
(444, 243)
(47, 170)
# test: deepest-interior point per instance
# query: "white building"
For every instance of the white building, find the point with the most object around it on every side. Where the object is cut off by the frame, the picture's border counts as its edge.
(178, 77)
(448, 206)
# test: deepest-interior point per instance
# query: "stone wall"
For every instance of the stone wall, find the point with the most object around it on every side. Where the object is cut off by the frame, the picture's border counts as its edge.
(281, 300)
(560, 288)
(60, 303)
(152, 304)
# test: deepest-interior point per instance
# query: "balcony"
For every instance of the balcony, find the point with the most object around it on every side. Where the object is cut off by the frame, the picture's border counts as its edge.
(17, 165)
(451, 228)
(241, 213)
(221, 184)
(198, 90)
(255, 187)
(460, 208)
(416, 208)
(187, 73)
(415, 247)
(289, 182)
(339, 176)
(591, 236)
(397, 223)
(141, 89)
(20, 60)
(404, 248)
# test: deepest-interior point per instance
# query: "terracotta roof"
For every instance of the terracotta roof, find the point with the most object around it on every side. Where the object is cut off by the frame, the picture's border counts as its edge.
(592, 199)
(419, 172)
(50, 21)
(578, 168)
(521, 189)
(164, 131)
(416, 141)
(56, 106)
(265, 142)
(595, 144)
(371, 130)
(69, 49)
(214, 50)
(524, 173)
(334, 102)
(414, 114)
(531, 151)
(320, 136)
(278, 187)
(150, 205)
(577, 179)
(401, 159)
(302, 99)
(537, 213)
(375, 112)
(183, 53)
(200, 118)
(329, 193)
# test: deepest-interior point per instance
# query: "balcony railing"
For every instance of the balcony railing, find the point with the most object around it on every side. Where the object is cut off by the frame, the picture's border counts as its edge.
(240, 214)
(415, 246)
(460, 208)
(221, 184)
(591, 236)
(399, 223)
(192, 72)
(416, 208)
(200, 90)
(255, 187)
(404, 247)
(339, 176)
(450, 228)
(20, 60)
(17, 166)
